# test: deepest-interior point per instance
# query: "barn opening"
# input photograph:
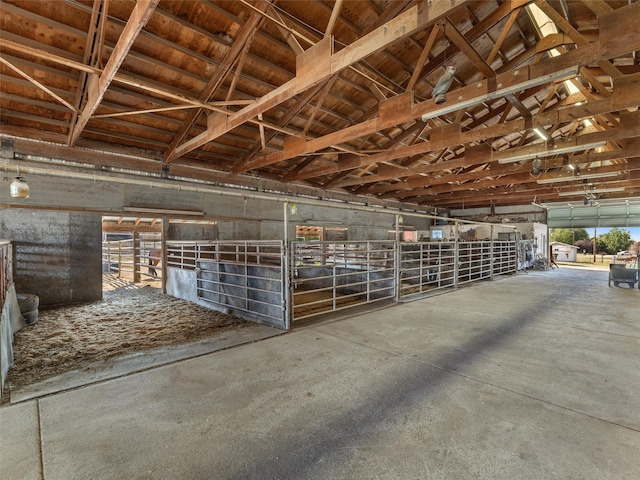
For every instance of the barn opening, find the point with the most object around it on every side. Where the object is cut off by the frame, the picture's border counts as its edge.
(131, 252)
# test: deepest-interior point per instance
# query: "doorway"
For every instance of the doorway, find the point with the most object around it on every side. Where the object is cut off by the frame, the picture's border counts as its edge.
(131, 252)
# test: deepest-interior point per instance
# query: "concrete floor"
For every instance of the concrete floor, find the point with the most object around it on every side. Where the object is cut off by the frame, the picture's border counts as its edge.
(531, 376)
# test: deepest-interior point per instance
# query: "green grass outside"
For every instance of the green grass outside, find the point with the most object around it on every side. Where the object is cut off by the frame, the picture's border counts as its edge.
(600, 259)
(586, 260)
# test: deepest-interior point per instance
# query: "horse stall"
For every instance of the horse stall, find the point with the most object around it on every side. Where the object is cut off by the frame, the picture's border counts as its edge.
(10, 319)
(267, 282)
(244, 278)
(328, 277)
(130, 318)
(282, 273)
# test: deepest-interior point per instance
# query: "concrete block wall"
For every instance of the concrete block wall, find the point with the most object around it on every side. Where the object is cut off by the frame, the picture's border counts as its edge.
(57, 255)
(58, 252)
(191, 232)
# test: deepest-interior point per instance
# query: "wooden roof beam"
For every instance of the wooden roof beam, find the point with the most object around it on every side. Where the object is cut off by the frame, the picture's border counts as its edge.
(467, 49)
(335, 13)
(577, 57)
(629, 131)
(476, 31)
(42, 87)
(319, 62)
(423, 57)
(242, 40)
(92, 52)
(98, 86)
(576, 36)
(476, 134)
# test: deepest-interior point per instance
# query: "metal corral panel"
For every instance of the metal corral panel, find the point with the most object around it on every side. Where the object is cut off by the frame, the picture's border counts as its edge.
(331, 276)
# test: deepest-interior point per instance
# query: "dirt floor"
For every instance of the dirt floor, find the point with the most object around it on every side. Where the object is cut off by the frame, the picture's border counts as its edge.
(130, 318)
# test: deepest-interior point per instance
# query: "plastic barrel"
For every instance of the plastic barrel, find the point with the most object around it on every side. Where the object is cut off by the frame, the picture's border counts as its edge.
(29, 307)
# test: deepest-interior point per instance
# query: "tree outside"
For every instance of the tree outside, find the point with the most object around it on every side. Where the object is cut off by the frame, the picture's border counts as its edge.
(585, 246)
(614, 241)
(570, 236)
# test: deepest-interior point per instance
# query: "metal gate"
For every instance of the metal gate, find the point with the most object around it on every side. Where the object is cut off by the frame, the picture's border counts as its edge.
(118, 257)
(328, 277)
(244, 276)
(133, 258)
(505, 257)
(323, 277)
(474, 261)
(426, 267)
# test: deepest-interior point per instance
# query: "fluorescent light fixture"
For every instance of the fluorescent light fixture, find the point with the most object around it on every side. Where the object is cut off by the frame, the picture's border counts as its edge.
(499, 93)
(586, 176)
(587, 192)
(311, 221)
(529, 153)
(542, 133)
(161, 211)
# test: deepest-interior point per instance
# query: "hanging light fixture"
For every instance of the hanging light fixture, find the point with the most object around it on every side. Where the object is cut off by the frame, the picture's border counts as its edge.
(19, 188)
(536, 166)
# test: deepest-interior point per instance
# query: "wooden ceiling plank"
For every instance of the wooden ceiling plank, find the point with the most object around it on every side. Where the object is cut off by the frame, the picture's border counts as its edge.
(42, 87)
(423, 57)
(92, 52)
(577, 37)
(503, 35)
(43, 54)
(290, 38)
(467, 49)
(598, 6)
(335, 14)
(138, 19)
(239, 45)
(405, 24)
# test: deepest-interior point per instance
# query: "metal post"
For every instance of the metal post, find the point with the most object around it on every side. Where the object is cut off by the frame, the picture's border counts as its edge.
(164, 254)
(491, 254)
(456, 254)
(287, 284)
(398, 260)
(137, 255)
(368, 272)
(120, 259)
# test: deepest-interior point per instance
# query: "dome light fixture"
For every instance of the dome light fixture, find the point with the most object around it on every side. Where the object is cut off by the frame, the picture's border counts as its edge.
(19, 188)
